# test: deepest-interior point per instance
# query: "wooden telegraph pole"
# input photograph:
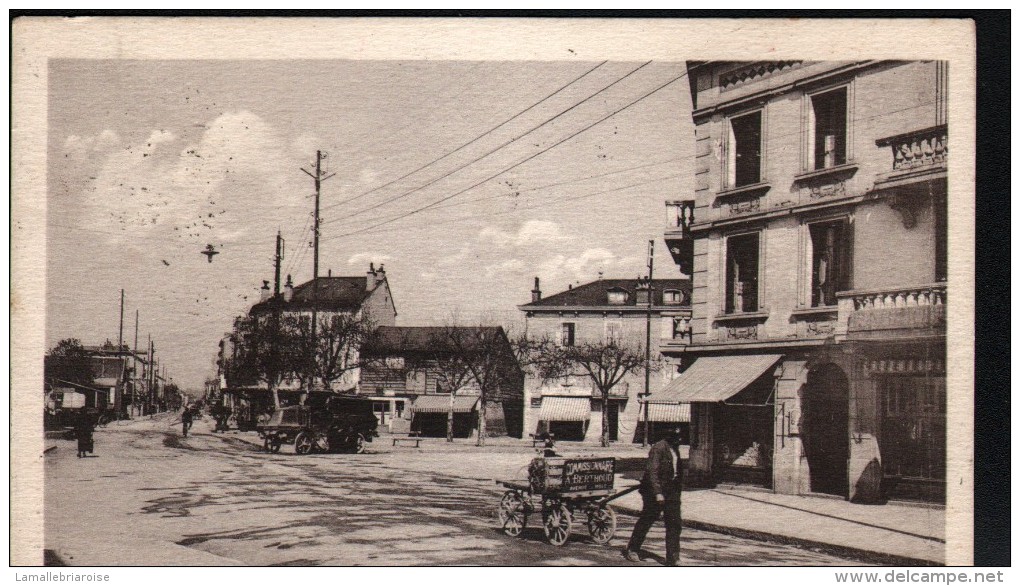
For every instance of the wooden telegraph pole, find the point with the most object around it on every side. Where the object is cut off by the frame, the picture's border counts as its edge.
(318, 178)
(648, 337)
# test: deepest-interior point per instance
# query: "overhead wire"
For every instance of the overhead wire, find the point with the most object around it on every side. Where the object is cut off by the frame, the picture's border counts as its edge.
(515, 165)
(492, 151)
(468, 143)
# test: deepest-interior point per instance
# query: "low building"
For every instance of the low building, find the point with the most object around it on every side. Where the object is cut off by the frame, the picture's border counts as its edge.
(616, 309)
(419, 376)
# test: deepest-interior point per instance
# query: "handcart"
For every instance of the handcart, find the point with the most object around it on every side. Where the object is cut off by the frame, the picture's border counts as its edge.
(562, 490)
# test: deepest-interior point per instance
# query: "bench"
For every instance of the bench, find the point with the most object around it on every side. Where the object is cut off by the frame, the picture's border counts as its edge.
(411, 437)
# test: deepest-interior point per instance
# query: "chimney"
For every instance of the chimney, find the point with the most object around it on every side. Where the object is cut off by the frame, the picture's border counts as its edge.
(329, 273)
(536, 293)
(266, 292)
(288, 290)
(375, 276)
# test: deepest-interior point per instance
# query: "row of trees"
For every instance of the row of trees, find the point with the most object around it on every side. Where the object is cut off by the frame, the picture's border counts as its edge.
(273, 348)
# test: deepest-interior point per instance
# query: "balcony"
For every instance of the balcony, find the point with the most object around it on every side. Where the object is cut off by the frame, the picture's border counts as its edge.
(919, 162)
(904, 312)
(679, 217)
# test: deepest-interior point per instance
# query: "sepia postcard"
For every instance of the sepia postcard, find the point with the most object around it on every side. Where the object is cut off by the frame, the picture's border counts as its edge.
(492, 292)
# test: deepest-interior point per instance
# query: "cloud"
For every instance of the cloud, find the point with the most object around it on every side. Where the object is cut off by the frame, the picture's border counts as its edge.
(510, 266)
(221, 187)
(363, 258)
(530, 233)
(561, 269)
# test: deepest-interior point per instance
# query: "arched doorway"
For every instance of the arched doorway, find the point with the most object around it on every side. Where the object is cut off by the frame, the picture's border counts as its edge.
(825, 429)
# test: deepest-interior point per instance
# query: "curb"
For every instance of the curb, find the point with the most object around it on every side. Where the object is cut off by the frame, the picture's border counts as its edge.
(843, 551)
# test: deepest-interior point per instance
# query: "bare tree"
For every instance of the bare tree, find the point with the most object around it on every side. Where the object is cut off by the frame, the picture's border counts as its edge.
(263, 352)
(605, 363)
(336, 349)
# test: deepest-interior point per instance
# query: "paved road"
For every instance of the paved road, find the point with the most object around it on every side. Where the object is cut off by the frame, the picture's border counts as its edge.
(220, 495)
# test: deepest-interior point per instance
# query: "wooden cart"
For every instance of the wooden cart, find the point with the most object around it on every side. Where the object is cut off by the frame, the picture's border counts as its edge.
(562, 490)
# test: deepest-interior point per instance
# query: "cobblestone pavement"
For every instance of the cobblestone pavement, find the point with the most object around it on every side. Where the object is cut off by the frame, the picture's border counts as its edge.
(221, 495)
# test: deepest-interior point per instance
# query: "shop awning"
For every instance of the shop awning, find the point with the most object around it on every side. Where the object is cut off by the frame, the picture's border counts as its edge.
(712, 379)
(669, 412)
(441, 404)
(565, 409)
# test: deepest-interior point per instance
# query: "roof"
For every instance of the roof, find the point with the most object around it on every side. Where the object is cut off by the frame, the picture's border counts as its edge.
(594, 294)
(712, 379)
(390, 340)
(333, 293)
(441, 404)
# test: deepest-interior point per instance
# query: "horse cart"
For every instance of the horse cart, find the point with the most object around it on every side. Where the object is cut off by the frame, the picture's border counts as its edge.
(562, 491)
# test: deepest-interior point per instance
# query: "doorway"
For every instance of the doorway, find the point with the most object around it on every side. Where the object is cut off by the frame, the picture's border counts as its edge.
(826, 412)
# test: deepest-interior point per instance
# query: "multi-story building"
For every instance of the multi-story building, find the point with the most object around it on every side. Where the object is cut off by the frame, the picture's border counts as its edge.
(616, 309)
(419, 377)
(817, 239)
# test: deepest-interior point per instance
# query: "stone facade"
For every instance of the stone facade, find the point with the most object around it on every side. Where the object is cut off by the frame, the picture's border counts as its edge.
(818, 231)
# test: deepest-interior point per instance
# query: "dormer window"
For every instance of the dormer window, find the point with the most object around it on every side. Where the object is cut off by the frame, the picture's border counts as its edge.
(672, 297)
(617, 296)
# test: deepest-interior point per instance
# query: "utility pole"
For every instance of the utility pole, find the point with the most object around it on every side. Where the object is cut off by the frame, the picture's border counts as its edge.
(318, 178)
(648, 336)
(148, 376)
(277, 259)
(134, 363)
(120, 332)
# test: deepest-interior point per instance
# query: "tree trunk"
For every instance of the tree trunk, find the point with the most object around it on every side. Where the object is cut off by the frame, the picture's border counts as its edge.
(605, 419)
(481, 421)
(449, 421)
(276, 397)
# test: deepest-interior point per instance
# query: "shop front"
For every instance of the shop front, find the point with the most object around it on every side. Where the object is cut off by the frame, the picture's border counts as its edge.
(430, 415)
(566, 418)
(733, 405)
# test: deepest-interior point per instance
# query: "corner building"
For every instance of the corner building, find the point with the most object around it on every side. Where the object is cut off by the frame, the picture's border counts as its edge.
(817, 243)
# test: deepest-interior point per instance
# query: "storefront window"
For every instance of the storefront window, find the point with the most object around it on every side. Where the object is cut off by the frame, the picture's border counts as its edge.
(913, 441)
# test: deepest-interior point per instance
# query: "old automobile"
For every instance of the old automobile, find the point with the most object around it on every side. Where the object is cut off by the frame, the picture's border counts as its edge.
(327, 422)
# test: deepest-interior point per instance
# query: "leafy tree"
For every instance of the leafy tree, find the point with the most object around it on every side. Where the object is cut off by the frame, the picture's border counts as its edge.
(69, 362)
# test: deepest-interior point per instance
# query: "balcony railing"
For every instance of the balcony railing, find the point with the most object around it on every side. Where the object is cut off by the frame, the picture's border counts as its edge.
(870, 309)
(679, 217)
(919, 149)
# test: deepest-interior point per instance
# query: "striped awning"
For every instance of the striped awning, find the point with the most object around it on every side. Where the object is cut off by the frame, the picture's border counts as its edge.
(669, 412)
(712, 379)
(565, 409)
(441, 404)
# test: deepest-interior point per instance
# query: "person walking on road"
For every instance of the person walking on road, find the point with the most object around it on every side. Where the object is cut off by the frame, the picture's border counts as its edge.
(186, 419)
(660, 495)
(83, 433)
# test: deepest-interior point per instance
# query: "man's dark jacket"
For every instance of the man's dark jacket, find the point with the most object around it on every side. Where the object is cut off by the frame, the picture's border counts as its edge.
(659, 477)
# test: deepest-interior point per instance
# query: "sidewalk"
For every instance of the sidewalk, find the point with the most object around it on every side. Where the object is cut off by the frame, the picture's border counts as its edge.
(894, 534)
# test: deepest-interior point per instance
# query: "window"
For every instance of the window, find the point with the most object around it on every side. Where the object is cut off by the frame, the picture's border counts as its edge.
(830, 261)
(742, 273)
(828, 129)
(567, 335)
(617, 296)
(913, 439)
(672, 297)
(536, 401)
(614, 331)
(744, 154)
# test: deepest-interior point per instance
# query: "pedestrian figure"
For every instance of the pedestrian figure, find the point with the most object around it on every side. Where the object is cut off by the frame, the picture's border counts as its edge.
(660, 495)
(83, 432)
(186, 419)
(548, 445)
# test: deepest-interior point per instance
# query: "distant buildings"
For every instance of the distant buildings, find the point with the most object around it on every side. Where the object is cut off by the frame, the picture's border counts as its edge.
(816, 239)
(606, 309)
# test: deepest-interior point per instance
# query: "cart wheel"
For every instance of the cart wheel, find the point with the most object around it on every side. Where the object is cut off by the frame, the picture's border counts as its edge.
(557, 524)
(359, 444)
(512, 515)
(602, 524)
(303, 444)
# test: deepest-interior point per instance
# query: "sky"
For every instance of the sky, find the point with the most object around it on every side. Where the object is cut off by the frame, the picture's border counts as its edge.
(467, 179)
